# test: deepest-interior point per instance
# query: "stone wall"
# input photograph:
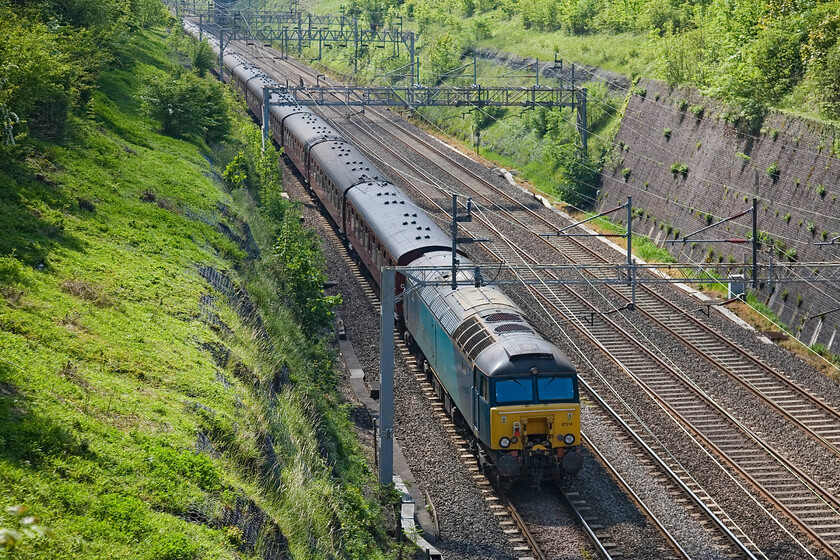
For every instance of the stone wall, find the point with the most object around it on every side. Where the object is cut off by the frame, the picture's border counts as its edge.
(791, 166)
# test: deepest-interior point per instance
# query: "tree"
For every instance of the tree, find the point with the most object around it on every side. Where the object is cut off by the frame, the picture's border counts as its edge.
(444, 58)
(301, 270)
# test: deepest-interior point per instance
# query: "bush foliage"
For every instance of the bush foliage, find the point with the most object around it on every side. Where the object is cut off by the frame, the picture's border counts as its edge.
(51, 53)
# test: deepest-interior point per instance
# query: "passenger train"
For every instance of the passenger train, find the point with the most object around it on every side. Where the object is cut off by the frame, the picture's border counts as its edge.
(514, 389)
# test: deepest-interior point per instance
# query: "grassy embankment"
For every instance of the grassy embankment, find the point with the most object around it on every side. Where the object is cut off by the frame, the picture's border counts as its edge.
(118, 360)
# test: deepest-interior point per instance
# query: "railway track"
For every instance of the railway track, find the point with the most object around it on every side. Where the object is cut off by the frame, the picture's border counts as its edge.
(788, 488)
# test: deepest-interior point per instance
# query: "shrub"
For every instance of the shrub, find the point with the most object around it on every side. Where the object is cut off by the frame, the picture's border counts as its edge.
(812, 229)
(821, 191)
(626, 173)
(682, 104)
(666, 133)
(787, 218)
(640, 91)
(697, 111)
(743, 156)
(186, 105)
(773, 171)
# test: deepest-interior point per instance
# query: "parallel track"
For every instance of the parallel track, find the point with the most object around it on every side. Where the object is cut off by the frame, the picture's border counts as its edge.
(811, 508)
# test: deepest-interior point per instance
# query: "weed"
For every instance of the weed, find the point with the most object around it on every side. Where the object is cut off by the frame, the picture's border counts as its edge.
(678, 168)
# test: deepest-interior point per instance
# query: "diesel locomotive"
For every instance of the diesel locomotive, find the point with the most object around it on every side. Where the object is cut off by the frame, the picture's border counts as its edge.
(515, 390)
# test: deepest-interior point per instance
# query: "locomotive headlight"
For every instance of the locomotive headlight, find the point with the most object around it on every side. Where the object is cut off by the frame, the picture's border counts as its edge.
(514, 439)
(569, 439)
(504, 442)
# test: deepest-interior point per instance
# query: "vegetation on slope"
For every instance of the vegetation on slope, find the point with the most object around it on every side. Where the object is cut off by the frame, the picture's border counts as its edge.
(150, 406)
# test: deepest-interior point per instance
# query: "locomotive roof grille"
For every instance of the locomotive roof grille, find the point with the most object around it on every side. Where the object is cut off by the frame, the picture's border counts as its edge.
(532, 356)
(512, 327)
(499, 317)
(472, 337)
(438, 306)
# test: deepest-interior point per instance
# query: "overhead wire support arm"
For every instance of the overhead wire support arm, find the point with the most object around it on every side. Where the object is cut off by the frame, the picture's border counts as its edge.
(456, 240)
(589, 219)
(685, 237)
(628, 235)
(834, 241)
(751, 210)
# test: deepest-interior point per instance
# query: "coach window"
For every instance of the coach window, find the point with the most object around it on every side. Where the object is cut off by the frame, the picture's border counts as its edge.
(485, 390)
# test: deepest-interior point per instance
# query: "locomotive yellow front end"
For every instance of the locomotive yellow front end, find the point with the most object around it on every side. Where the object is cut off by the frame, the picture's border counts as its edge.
(540, 439)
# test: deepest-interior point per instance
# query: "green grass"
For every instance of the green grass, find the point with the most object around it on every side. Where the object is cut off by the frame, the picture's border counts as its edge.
(106, 380)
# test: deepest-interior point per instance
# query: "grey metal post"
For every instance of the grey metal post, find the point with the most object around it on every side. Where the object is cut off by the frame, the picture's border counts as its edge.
(221, 55)
(538, 72)
(755, 244)
(266, 121)
(475, 73)
(582, 121)
(631, 277)
(200, 27)
(386, 378)
(411, 54)
(300, 32)
(454, 231)
(355, 45)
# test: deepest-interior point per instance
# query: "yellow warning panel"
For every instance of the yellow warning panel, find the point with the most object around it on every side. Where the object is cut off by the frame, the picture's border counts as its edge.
(537, 423)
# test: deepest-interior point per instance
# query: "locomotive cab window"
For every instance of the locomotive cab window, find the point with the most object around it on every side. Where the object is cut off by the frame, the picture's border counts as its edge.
(555, 388)
(514, 390)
